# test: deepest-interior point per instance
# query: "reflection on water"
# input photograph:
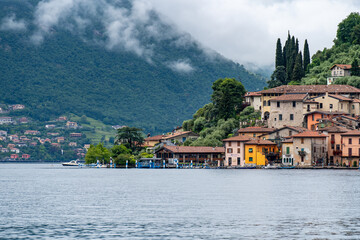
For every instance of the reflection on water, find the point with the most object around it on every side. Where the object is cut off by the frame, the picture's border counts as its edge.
(51, 201)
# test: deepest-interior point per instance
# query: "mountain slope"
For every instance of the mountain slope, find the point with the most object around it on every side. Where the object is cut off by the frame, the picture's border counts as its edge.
(121, 70)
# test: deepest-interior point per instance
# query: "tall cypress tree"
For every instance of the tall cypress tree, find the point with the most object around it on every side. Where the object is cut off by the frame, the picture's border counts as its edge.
(279, 61)
(297, 74)
(306, 56)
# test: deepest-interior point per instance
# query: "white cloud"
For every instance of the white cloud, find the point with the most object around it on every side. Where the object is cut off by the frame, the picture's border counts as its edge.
(247, 30)
(10, 23)
(181, 66)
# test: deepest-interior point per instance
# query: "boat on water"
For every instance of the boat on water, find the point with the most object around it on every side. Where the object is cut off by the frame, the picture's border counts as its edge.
(72, 163)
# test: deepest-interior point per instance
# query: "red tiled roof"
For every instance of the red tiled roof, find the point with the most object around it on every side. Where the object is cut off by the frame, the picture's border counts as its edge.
(252, 94)
(352, 133)
(154, 138)
(260, 142)
(327, 113)
(312, 89)
(239, 138)
(191, 149)
(334, 129)
(355, 100)
(342, 66)
(255, 130)
(340, 97)
(290, 97)
(309, 134)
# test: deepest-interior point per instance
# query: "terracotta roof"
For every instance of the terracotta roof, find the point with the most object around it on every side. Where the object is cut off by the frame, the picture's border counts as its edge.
(340, 97)
(351, 118)
(255, 130)
(154, 138)
(352, 133)
(260, 142)
(191, 149)
(312, 89)
(327, 113)
(334, 129)
(252, 94)
(290, 97)
(177, 134)
(342, 66)
(239, 138)
(309, 134)
(355, 100)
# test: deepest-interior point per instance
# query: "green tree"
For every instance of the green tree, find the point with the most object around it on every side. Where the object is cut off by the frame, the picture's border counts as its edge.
(298, 69)
(346, 28)
(355, 70)
(227, 97)
(279, 60)
(278, 77)
(131, 137)
(199, 124)
(98, 152)
(306, 56)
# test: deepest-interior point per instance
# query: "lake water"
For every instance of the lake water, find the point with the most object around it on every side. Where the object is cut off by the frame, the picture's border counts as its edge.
(48, 201)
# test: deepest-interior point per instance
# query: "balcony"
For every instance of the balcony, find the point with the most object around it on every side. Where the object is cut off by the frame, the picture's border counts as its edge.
(302, 153)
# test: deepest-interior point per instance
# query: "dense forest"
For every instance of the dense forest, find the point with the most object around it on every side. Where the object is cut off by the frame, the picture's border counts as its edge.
(76, 69)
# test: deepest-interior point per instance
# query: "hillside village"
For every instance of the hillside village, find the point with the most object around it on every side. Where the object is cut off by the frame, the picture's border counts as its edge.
(24, 139)
(300, 126)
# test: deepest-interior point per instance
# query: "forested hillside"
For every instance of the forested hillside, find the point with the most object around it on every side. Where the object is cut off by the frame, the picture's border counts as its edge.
(108, 60)
(346, 50)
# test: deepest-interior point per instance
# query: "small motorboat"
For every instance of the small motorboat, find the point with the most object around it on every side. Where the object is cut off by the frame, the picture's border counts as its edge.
(72, 163)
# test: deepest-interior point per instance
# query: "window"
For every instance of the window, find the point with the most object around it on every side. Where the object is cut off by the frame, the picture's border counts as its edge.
(278, 104)
(238, 161)
(350, 141)
(350, 152)
(359, 140)
(229, 159)
(294, 104)
(314, 149)
(302, 141)
(287, 150)
(238, 150)
(275, 119)
(264, 103)
(280, 117)
(323, 149)
(341, 106)
(229, 150)
(290, 133)
(352, 106)
(332, 146)
(238, 143)
(254, 135)
(331, 106)
(250, 159)
(229, 144)
(308, 108)
(250, 150)
(313, 117)
(321, 105)
(291, 116)
(269, 103)
(337, 147)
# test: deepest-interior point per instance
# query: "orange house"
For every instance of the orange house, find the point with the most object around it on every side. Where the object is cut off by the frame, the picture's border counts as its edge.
(313, 118)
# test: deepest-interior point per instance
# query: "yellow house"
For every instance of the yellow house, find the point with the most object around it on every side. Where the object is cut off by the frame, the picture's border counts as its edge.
(255, 151)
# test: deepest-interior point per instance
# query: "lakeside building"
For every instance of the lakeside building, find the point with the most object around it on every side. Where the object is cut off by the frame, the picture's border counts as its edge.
(287, 152)
(351, 148)
(334, 146)
(254, 100)
(310, 148)
(258, 151)
(235, 150)
(198, 155)
(317, 119)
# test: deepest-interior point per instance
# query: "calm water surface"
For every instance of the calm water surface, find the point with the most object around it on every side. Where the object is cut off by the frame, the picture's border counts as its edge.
(44, 201)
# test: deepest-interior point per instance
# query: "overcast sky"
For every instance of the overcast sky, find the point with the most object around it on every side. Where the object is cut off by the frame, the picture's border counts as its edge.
(247, 30)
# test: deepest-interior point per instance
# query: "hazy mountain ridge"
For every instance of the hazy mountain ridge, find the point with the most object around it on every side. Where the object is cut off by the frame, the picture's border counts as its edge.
(121, 70)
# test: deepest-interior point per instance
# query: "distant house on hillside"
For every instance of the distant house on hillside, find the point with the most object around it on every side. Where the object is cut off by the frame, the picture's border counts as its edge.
(339, 70)
(6, 120)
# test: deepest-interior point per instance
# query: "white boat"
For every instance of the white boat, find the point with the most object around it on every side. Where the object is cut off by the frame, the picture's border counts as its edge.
(72, 163)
